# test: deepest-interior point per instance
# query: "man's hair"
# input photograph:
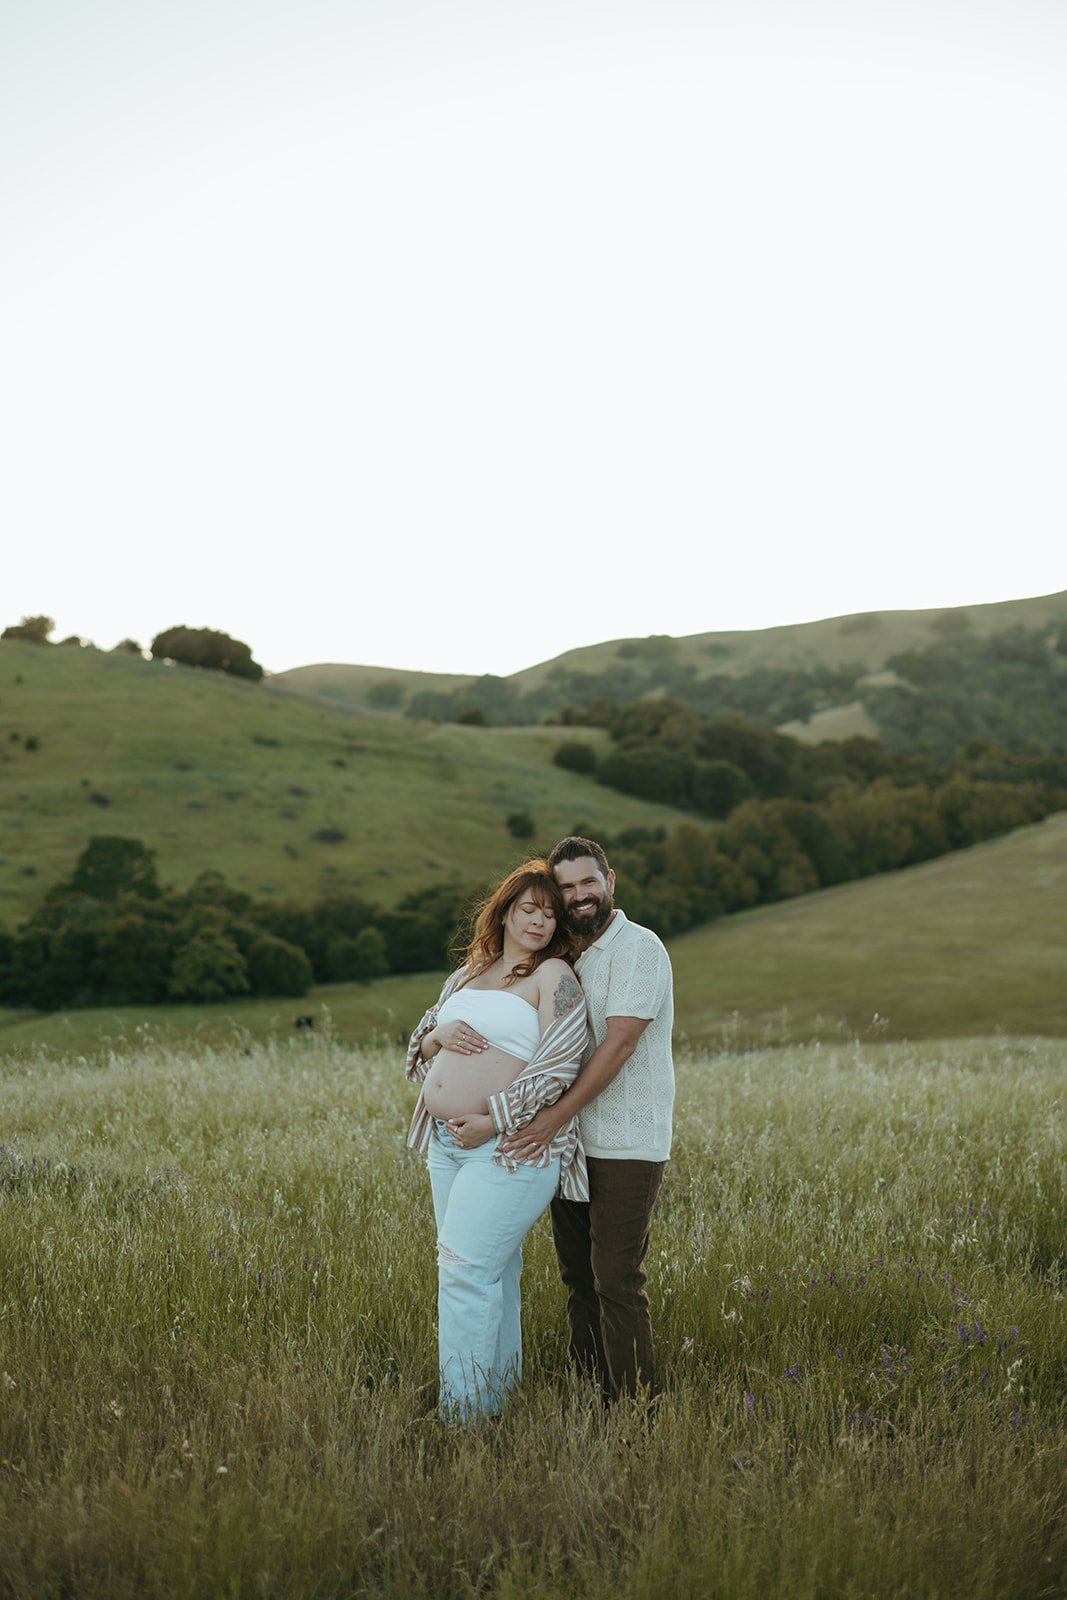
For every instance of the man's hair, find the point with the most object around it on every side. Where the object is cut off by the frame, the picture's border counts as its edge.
(573, 848)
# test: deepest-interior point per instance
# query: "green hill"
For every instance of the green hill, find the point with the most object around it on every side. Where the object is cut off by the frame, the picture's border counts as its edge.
(973, 943)
(369, 688)
(285, 795)
(864, 641)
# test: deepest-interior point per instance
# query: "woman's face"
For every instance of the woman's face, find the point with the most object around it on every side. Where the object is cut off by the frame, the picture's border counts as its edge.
(530, 923)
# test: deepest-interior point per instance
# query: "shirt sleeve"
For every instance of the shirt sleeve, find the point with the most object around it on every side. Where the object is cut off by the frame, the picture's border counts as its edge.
(415, 1068)
(639, 979)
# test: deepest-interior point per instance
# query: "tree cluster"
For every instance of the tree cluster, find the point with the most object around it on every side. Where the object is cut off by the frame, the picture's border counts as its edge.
(666, 752)
(771, 850)
(1009, 689)
(111, 934)
(204, 647)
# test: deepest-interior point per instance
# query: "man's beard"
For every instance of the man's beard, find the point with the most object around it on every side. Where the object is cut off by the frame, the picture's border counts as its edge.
(589, 923)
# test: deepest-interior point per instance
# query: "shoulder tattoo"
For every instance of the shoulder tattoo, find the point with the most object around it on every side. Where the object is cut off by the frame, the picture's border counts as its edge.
(568, 993)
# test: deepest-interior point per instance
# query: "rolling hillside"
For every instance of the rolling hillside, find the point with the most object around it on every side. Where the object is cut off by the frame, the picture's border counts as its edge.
(973, 944)
(865, 641)
(213, 772)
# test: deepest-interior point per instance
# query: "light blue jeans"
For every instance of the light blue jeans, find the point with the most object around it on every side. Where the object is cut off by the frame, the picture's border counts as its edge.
(483, 1214)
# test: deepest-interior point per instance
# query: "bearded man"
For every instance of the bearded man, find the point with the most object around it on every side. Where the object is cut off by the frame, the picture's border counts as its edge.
(624, 1096)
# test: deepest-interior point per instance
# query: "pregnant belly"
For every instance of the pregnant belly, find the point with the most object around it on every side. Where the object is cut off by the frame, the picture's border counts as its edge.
(456, 1084)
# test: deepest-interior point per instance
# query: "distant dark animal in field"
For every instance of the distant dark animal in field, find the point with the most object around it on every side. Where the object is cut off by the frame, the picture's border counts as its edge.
(304, 1022)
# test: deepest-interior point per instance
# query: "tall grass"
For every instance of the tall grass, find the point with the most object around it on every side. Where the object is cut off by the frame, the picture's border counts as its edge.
(217, 1341)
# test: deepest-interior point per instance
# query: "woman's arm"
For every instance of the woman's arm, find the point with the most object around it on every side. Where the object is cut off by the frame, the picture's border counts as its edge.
(557, 1060)
(429, 1037)
(560, 993)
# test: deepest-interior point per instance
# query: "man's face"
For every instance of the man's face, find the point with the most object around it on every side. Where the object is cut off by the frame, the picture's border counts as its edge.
(587, 895)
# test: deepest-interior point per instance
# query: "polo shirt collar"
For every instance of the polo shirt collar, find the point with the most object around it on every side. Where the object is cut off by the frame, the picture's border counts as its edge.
(612, 931)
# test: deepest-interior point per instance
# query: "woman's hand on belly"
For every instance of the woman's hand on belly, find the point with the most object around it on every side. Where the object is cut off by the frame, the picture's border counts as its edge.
(459, 1037)
(471, 1131)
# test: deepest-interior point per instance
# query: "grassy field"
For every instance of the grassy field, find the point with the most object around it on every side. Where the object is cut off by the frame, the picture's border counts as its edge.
(212, 772)
(217, 1346)
(974, 942)
(836, 722)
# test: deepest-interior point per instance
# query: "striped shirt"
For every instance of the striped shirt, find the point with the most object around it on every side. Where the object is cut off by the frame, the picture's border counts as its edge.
(552, 1068)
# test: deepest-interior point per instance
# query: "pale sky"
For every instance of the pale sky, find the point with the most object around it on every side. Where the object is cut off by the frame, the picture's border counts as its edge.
(456, 335)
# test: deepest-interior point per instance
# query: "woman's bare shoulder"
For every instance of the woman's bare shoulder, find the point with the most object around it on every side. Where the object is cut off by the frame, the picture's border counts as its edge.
(553, 968)
(558, 980)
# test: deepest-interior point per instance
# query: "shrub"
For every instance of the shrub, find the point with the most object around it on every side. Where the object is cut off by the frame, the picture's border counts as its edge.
(208, 966)
(330, 836)
(204, 647)
(132, 963)
(340, 960)
(521, 825)
(385, 693)
(31, 630)
(370, 960)
(414, 942)
(650, 771)
(949, 622)
(576, 756)
(110, 866)
(719, 786)
(276, 967)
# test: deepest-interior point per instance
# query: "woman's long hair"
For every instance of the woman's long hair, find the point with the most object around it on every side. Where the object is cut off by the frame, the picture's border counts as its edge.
(486, 942)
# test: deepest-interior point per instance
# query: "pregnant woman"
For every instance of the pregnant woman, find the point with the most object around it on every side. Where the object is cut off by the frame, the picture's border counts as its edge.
(504, 1039)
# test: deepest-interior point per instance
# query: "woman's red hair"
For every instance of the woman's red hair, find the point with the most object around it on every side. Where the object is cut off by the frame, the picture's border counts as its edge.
(486, 945)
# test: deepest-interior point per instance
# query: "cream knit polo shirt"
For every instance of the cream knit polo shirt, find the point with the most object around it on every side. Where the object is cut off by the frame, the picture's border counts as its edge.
(626, 972)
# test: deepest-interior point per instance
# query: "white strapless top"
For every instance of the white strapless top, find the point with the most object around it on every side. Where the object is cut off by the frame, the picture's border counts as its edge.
(506, 1020)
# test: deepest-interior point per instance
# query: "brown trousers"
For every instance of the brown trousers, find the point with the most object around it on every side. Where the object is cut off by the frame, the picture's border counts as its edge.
(601, 1247)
